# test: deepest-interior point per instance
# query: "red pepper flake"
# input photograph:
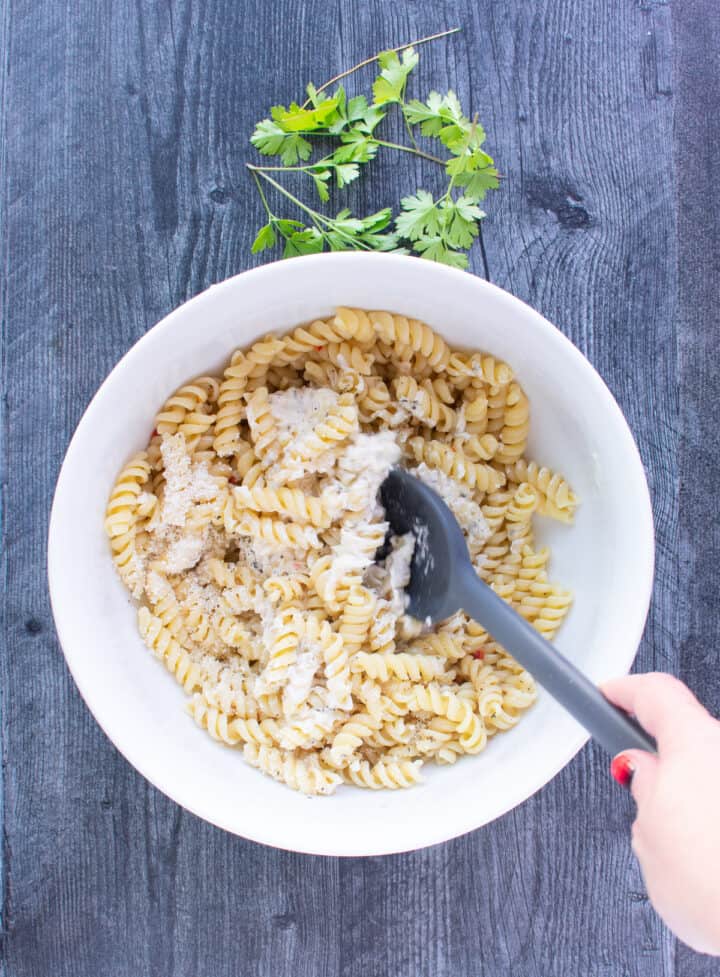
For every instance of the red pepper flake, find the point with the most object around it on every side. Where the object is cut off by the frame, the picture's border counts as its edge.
(479, 654)
(154, 433)
(318, 348)
(233, 480)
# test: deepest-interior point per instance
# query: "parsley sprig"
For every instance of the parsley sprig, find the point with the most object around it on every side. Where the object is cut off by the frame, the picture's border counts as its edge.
(439, 227)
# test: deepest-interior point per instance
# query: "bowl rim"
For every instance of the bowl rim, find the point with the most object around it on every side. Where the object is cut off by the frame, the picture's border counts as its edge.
(436, 833)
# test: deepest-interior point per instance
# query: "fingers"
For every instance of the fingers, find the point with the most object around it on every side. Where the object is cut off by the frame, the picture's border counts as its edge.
(637, 770)
(658, 701)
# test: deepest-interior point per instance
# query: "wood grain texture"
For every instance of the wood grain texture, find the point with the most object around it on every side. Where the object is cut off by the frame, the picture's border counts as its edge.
(697, 96)
(125, 132)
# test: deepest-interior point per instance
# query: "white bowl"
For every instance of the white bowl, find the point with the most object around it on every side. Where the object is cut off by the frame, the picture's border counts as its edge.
(606, 557)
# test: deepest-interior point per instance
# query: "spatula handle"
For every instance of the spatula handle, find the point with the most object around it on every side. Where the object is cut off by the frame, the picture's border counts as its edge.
(614, 729)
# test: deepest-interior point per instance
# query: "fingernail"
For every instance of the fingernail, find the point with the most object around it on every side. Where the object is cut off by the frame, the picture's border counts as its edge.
(622, 770)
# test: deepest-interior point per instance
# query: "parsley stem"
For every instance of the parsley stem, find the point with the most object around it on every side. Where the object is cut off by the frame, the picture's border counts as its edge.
(272, 219)
(284, 169)
(361, 64)
(408, 127)
(328, 160)
(316, 217)
(270, 214)
(409, 149)
(286, 193)
(411, 134)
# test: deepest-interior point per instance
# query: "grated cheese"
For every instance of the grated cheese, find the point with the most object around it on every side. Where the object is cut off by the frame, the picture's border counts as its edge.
(185, 482)
(184, 552)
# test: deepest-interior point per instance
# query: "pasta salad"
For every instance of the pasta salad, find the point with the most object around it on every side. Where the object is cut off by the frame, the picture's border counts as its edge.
(251, 534)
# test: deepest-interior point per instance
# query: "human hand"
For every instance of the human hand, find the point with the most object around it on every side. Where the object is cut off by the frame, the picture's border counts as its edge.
(676, 834)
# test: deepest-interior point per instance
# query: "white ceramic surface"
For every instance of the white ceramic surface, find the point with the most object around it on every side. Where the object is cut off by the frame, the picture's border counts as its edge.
(607, 557)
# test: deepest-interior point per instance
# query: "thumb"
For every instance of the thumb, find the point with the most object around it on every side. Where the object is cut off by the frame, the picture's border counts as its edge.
(665, 707)
(637, 770)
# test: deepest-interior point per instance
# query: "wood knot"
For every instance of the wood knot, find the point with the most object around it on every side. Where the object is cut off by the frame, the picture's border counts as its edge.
(284, 921)
(220, 195)
(558, 198)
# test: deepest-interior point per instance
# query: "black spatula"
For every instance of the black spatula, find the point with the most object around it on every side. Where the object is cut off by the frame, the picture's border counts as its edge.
(443, 581)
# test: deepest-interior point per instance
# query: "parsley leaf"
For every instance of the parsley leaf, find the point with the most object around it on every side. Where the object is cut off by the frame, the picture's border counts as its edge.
(307, 241)
(435, 249)
(389, 86)
(297, 119)
(460, 222)
(441, 117)
(475, 172)
(320, 176)
(439, 230)
(266, 238)
(364, 117)
(345, 173)
(280, 135)
(378, 221)
(355, 147)
(315, 97)
(420, 216)
(385, 242)
(355, 115)
(269, 139)
(286, 227)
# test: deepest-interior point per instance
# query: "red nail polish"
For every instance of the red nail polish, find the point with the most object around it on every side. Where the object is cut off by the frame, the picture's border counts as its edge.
(622, 770)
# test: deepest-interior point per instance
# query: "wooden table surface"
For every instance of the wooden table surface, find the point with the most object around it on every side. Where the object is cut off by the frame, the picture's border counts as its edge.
(124, 137)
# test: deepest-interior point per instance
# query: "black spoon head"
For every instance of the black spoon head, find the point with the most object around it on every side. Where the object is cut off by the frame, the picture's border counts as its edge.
(440, 549)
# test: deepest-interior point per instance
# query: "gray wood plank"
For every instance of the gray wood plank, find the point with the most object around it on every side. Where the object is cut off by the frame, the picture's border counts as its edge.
(575, 99)
(585, 234)
(125, 193)
(113, 220)
(697, 129)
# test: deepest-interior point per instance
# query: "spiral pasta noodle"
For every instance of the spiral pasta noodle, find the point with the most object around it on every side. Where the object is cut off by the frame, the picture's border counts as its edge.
(252, 535)
(454, 463)
(293, 503)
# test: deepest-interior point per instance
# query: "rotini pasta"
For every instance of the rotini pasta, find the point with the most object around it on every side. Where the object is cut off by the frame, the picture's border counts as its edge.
(453, 462)
(293, 503)
(422, 402)
(216, 722)
(389, 773)
(384, 666)
(251, 532)
(185, 405)
(262, 425)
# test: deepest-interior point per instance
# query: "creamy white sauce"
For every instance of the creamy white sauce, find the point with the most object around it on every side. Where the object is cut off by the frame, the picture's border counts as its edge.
(300, 676)
(365, 465)
(298, 410)
(460, 502)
